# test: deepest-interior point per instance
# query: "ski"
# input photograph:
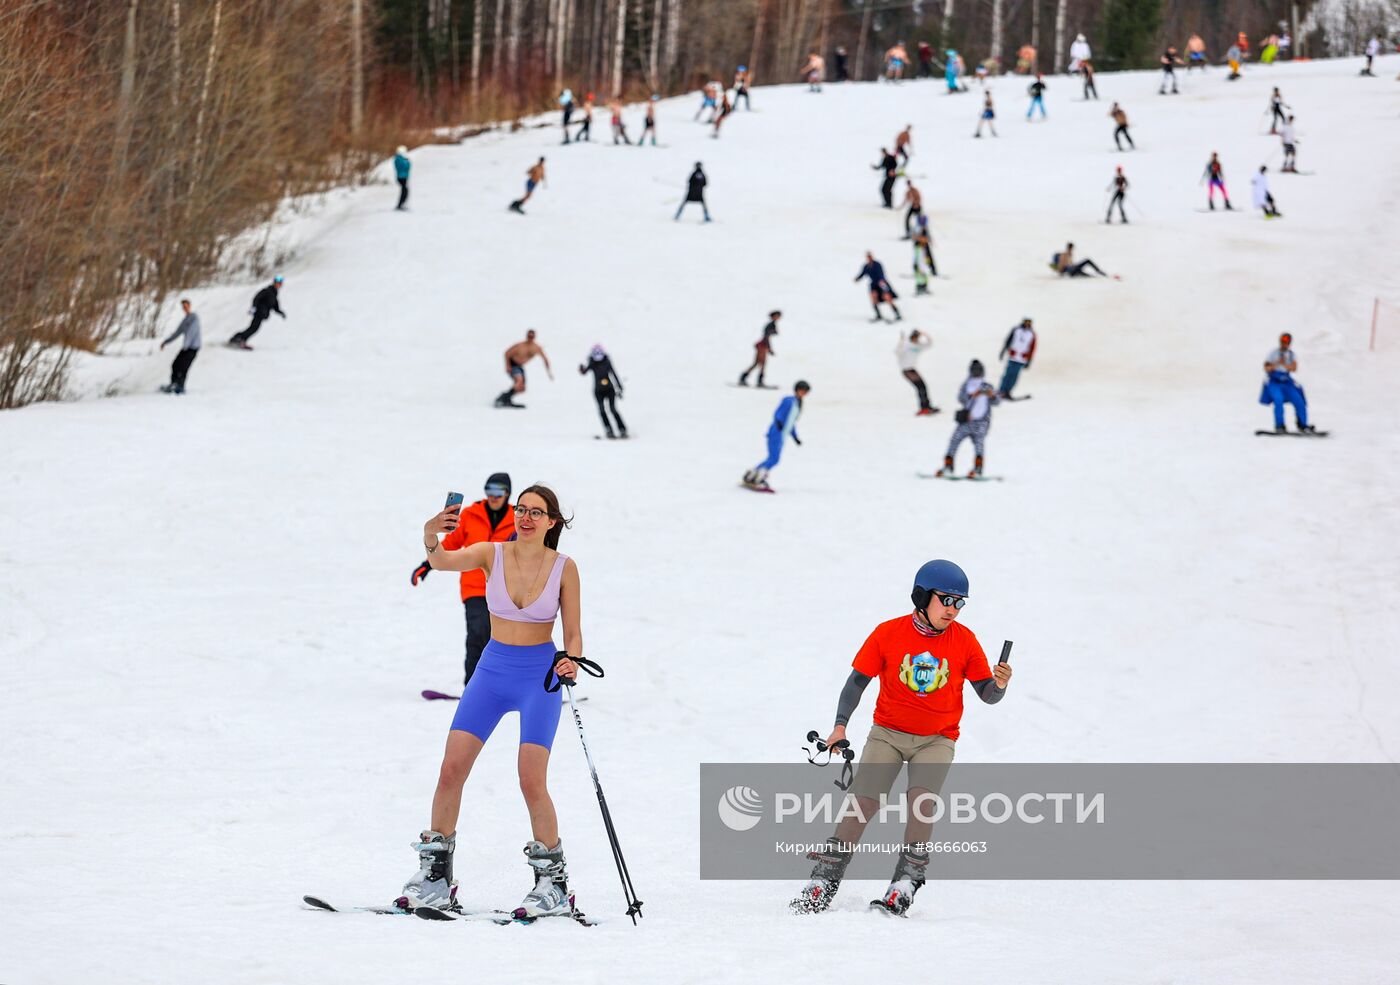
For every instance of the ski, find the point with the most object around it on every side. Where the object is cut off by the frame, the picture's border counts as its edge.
(758, 489)
(1293, 434)
(753, 386)
(961, 478)
(612, 437)
(499, 917)
(1007, 396)
(316, 903)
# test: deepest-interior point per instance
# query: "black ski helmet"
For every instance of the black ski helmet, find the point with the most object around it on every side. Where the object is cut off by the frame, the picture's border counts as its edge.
(801, 385)
(976, 368)
(938, 577)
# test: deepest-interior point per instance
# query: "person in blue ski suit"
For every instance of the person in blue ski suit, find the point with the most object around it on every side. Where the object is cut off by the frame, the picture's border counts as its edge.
(402, 165)
(950, 70)
(1281, 388)
(784, 426)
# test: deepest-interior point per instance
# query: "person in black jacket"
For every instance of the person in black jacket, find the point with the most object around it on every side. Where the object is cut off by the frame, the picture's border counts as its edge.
(607, 389)
(695, 191)
(880, 287)
(890, 166)
(264, 304)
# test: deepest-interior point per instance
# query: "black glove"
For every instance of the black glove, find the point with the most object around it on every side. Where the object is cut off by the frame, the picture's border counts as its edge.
(420, 572)
(282, 313)
(795, 438)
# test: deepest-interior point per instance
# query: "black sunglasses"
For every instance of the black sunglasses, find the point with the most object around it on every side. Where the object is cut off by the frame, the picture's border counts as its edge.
(955, 601)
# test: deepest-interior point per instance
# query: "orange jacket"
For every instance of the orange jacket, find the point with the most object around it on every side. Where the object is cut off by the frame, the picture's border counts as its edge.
(475, 528)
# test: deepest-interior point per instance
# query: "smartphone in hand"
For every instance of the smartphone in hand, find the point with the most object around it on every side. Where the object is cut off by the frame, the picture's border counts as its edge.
(453, 499)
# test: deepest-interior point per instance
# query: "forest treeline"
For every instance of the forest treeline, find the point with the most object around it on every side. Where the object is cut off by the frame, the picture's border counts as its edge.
(143, 143)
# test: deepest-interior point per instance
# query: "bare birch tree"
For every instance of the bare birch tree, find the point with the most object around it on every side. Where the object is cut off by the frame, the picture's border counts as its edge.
(619, 40)
(357, 66)
(1060, 34)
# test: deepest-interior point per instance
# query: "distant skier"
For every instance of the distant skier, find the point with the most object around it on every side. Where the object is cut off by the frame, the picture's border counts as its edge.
(708, 96)
(1276, 109)
(903, 144)
(649, 127)
(1079, 53)
(1169, 61)
(1018, 350)
(1280, 387)
(619, 129)
(607, 389)
(923, 257)
(952, 71)
(880, 289)
(695, 191)
(988, 115)
(762, 349)
(910, 348)
(1235, 56)
(784, 426)
(1086, 69)
(842, 75)
(566, 106)
(533, 178)
(585, 129)
(915, 200)
(265, 302)
(742, 81)
(516, 358)
(922, 660)
(1195, 53)
(725, 108)
(188, 330)
(816, 66)
(1063, 264)
(1121, 118)
(1037, 93)
(925, 52)
(1288, 136)
(1119, 186)
(1262, 198)
(1373, 48)
(890, 166)
(977, 397)
(1215, 174)
(402, 165)
(895, 60)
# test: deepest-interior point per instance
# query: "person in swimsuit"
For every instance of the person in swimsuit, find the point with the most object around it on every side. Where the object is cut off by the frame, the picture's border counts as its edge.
(533, 178)
(516, 358)
(528, 585)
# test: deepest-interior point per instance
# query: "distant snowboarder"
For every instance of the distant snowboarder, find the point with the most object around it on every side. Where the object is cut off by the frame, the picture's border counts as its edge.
(904, 144)
(1288, 136)
(649, 127)
(890, 166)
(988, 116)
(762, 349)
(1276, 110)
(566, 106)
(695, 192)
(1037, 93)
(1280, 387)
(784, 426)
(880, 289)
(1018, 350)
(1086, 69)
(607, 389)
(742, 80)
(1121, 119)
(533, 178)
(516, 358)
(1169, 61)
(1373, 48)
(189, 331)
(1262, 198)
(974, 420)
(915, 201)
(1119, 187)
(265, 302)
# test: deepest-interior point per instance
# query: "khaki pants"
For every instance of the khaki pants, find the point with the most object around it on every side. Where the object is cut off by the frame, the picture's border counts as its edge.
(886, 751)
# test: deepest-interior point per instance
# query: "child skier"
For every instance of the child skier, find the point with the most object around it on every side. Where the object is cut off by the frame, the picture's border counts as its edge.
(1280, 387)
(880, 289)
(977, 397)
(784, 426)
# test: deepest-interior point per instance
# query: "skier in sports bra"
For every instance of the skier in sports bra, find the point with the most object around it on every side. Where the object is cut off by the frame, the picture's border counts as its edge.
(529, 584)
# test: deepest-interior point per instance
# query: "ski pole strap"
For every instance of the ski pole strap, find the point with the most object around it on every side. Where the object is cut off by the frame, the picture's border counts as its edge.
(840, 748)
(552, 681)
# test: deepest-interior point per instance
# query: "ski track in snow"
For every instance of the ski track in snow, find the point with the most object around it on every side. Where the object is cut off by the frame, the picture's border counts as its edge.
(212, 657)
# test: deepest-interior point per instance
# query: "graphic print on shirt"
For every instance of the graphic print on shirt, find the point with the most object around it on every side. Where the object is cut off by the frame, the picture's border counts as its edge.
(923, 674)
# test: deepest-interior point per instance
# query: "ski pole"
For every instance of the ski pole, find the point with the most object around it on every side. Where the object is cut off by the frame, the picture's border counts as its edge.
(634, 905)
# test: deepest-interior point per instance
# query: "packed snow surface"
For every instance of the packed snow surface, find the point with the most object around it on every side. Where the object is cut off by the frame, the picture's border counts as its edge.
(212, 655)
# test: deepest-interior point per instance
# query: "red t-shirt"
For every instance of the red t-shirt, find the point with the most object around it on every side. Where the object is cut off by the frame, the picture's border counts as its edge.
(921, 677)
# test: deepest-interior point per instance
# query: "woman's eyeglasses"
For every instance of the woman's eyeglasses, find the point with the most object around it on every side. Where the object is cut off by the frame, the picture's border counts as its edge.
(534, 513)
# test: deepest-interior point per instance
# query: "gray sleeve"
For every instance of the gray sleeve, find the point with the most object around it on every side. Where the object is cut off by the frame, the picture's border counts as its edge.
(180, 330)
(850, 696)
(988, 691)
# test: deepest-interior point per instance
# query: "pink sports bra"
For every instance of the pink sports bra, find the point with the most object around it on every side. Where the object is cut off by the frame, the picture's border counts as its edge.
(543, 609)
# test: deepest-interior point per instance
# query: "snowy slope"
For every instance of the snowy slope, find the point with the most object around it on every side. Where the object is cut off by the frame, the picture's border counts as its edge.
(211, 655)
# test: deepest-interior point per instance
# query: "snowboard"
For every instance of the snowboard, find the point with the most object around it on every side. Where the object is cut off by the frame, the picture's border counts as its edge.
(1293, 434)
(757, 489)
(619, 437)
(752, 386)
(961, 478)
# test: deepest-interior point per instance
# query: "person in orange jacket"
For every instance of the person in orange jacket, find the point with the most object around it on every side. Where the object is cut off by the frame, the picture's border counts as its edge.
(486, 521)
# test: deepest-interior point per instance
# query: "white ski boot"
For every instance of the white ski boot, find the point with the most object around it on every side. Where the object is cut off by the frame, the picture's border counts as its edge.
(908, 877)
(433, 886)
(550, 897)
